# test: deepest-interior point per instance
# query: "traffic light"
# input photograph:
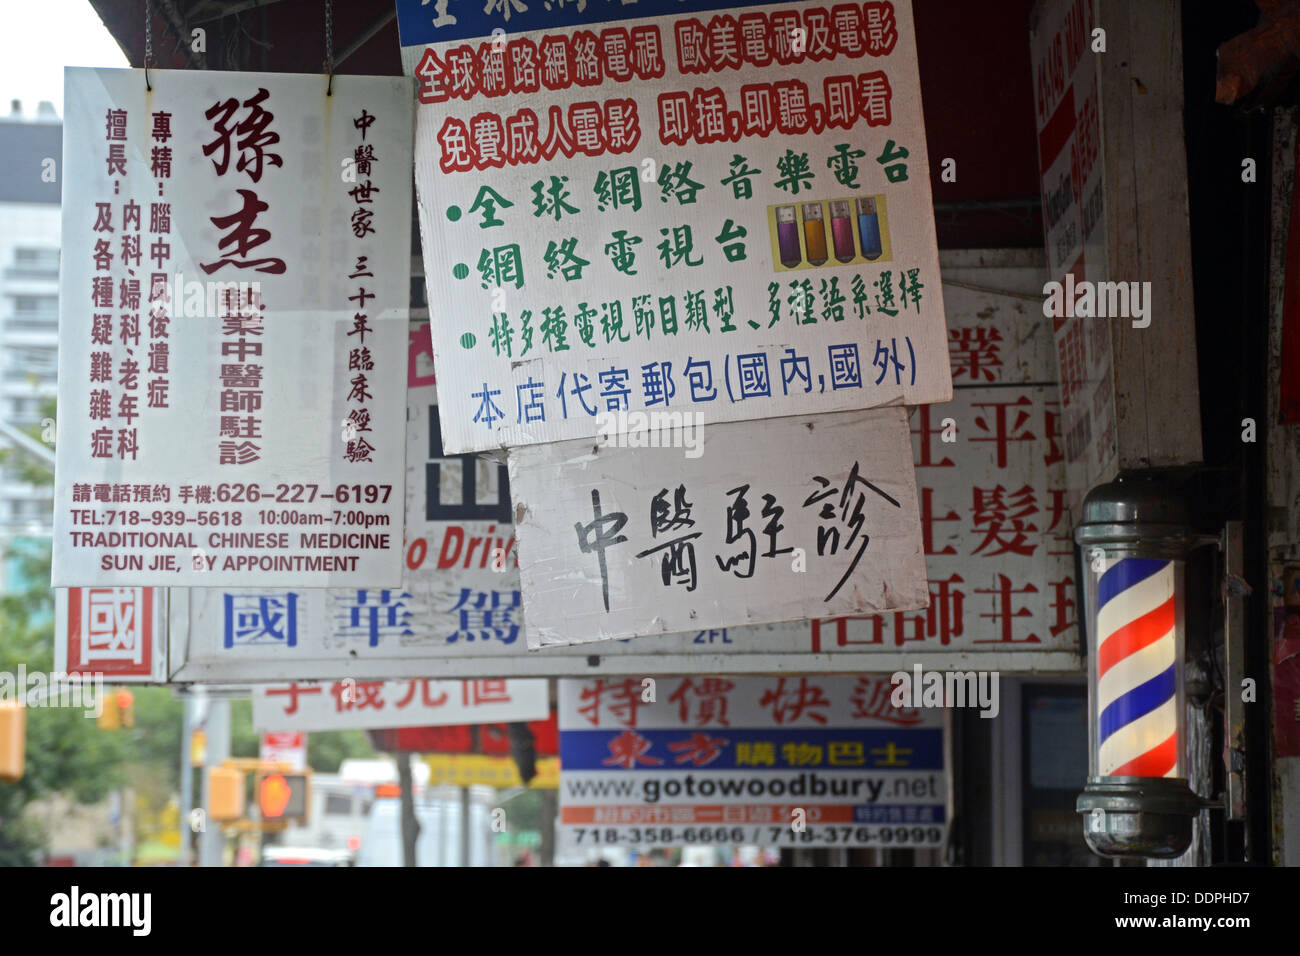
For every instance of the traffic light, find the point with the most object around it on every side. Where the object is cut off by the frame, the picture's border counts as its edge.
(284, 796)
(225, 793)
(13, 739)
(125, 707)
(110, 717)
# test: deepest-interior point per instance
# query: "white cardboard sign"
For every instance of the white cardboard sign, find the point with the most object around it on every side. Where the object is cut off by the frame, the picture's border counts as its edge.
(791, 519)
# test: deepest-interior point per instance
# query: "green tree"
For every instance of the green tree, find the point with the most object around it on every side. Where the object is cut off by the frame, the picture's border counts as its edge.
(66, 751)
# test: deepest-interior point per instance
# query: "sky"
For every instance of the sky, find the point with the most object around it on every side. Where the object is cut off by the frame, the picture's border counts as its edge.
(40, 38)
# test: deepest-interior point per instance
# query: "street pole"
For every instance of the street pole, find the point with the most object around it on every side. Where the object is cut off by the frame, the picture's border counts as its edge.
(126, 797)
(212, 842)
(409, 824)
(464, 827)
(550, 801)
(187, 780)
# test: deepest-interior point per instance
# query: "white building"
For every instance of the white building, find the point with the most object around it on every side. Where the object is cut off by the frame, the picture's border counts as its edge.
(29, 298)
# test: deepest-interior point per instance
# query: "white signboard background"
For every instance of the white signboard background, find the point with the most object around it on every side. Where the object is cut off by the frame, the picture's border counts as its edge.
(727, 761)
(152, 518)
(848, 495)
(419, 702)
(526, 388)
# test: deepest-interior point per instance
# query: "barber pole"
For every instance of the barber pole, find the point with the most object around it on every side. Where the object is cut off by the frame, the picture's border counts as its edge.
(1137, 660)
(1137, 538)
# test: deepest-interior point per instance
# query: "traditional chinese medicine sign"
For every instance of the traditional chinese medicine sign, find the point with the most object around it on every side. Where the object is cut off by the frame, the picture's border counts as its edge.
(419, 702)
(120, 633)
(719, 760)
(686, 206)
(803, 518)
(234, 286)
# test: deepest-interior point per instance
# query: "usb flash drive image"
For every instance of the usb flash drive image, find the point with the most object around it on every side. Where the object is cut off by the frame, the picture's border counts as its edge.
(787, 237)
(842, 231)
(869, 228)
(814, 233)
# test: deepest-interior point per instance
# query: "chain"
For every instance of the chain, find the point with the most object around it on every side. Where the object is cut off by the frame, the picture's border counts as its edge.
(148, 42)
(329, 36)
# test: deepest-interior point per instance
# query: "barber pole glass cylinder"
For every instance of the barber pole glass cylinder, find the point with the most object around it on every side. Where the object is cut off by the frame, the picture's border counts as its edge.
(1137, 711)
(1135, 540)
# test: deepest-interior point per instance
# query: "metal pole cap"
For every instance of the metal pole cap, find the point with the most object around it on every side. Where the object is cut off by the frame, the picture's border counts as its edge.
(1138, 816)
(1141, 512)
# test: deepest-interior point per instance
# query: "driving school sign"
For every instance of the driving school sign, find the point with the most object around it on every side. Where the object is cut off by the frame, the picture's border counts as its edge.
(691, 206)
(235, 250)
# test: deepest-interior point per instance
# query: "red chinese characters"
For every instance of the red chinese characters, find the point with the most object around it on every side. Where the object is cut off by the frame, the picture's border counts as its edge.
(787, 37)
(590, 128)
(557, 62)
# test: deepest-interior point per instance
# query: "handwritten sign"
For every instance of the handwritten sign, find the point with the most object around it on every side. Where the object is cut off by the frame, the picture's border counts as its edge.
(799, 518)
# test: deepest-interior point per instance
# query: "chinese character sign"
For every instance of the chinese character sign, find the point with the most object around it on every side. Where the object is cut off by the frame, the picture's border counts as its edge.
(286, 747)
(798, 519)
(995, 527)
(234, 276)
(1071, 163)
(118, 632)
(729, 760)
(417, 702)
(649, 206)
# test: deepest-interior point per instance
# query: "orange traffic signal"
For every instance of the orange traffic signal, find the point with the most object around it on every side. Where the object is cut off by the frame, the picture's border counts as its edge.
(110, 715)
(125, 707)
(225, 793)
(284, 796)
(13, 739)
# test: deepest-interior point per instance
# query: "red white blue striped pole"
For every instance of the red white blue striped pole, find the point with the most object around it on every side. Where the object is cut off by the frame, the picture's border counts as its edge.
(1137, 538)
(1137, 669)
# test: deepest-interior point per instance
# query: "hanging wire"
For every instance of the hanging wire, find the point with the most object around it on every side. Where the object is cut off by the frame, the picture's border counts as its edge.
(329, 45)
(148, 43)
